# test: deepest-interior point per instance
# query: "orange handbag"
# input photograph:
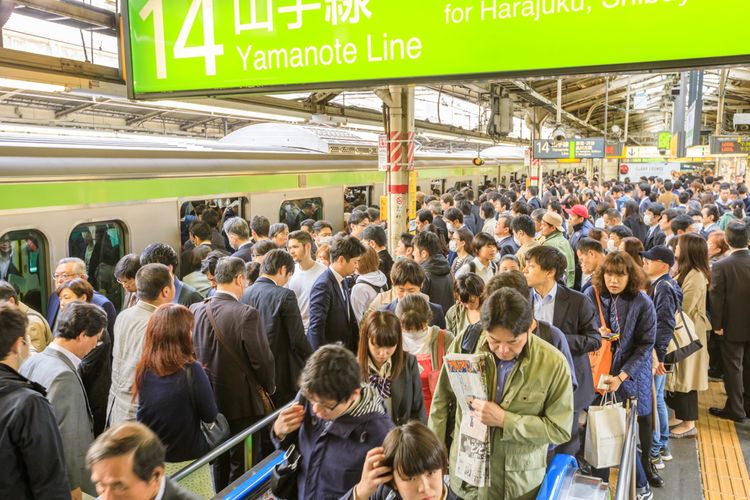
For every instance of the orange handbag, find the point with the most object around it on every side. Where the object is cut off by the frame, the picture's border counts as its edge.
(601, 359)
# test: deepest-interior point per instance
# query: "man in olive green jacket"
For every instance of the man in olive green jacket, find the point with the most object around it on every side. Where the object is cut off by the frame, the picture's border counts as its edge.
(530, 403)
(554, 237)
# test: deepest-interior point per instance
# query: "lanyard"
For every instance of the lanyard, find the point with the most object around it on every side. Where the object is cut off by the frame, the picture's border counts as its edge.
(617, 316)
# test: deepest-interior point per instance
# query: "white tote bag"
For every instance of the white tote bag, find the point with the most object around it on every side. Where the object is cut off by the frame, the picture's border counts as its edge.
(605, 433)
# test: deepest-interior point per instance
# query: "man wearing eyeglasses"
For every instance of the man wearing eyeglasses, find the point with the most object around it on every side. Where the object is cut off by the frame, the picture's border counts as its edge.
(78, 331)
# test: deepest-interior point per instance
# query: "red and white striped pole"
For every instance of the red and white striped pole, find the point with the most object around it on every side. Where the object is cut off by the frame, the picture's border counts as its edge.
(400, 160)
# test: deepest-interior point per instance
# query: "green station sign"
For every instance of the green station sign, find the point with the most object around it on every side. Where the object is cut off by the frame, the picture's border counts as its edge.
(204, 47)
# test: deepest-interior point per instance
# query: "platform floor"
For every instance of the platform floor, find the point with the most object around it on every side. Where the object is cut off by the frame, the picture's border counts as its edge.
(713, 465)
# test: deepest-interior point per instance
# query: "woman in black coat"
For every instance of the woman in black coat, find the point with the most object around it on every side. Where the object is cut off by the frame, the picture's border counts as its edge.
(631, 218)
(393, 373)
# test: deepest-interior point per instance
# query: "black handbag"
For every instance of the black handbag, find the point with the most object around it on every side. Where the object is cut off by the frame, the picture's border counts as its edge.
(215, 432)
(690, 347)
(284, 475)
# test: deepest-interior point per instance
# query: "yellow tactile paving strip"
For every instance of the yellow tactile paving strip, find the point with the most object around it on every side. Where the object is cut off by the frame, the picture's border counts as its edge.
(723, 469)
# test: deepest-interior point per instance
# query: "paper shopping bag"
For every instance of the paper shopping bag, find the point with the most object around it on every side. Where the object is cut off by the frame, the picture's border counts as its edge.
(605, 435)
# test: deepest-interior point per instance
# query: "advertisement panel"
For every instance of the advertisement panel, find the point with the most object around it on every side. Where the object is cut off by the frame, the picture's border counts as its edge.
(207, 47)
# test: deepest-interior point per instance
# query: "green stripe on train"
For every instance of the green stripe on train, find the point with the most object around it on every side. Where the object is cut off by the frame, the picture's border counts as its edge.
(64, 193)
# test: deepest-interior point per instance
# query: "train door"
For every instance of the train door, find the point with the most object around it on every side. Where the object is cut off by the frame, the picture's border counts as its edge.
(23, 264)
(437, 187)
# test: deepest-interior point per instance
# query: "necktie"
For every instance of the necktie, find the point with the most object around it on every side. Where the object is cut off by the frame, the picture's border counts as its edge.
(133, 299)
(345, 291)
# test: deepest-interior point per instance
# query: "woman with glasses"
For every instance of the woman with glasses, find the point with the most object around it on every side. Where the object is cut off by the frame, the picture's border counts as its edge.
(629, 321)
(174, 394)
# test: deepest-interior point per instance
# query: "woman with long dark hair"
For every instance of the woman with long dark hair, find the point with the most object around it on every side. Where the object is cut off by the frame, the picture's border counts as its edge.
(631, 218)
(173, 392)
(691, 374)
(391, 371)
(630, 321)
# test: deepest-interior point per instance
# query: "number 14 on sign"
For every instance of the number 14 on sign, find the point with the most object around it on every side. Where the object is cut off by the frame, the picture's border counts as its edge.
(208, 51)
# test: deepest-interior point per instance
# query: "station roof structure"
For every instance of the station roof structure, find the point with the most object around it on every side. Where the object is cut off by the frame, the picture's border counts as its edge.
(60, 66)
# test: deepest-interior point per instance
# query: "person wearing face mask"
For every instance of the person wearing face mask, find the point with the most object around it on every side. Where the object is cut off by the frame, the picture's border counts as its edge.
(529, 405)
(454, 220)
(409, 466)
(655, 236)
(630, 321)
(33, 461)
(388, 369)
(616, 235)
(281, 321)
(461, 242)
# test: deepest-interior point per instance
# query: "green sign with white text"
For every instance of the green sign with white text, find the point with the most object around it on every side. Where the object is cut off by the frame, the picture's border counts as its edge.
(199, 47)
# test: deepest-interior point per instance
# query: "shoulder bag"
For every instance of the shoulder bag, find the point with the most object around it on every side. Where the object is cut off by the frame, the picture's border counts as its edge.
(215, 432)
(601, 360)
(268, 406)
(684, 343)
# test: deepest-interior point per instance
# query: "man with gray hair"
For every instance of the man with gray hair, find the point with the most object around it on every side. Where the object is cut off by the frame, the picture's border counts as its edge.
(154, 287)
(238, 233)
(228, 341)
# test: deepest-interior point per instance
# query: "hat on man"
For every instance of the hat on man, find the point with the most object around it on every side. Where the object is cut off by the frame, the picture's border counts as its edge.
(661, 253)
(578, 210)
(553, 219)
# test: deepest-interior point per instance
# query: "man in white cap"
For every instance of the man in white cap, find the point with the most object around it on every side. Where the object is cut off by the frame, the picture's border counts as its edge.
(553, 237)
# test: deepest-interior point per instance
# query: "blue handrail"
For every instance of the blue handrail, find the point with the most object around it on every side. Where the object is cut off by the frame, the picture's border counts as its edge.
(250, 485)
(559, 468)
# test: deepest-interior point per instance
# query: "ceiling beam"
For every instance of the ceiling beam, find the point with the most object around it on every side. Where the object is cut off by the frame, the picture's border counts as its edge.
(74, 10)
(18, 59)
(75, 109)
(542, 101)
(137, 120)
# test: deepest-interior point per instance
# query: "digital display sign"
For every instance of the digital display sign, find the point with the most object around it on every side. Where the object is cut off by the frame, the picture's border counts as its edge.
(734, 145)
(573, 149)
(210, 47)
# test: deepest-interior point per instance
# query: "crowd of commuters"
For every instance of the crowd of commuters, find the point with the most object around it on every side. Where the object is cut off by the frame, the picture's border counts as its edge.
(349, 341)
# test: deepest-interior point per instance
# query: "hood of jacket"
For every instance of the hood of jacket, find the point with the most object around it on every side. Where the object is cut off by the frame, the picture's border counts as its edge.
(11, 380)
(437, 265)
(376, 278)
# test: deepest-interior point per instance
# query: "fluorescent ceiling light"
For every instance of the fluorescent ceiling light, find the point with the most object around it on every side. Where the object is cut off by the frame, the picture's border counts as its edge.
(216, 110)
(26, 85)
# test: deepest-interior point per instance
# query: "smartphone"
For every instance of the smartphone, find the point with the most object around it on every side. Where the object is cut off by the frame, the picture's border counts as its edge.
(602, 385)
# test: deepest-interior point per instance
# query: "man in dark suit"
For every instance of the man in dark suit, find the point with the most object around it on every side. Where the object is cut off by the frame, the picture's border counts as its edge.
(281, 321)
(506, 245)
(200, 235)
(573, 313)
(96, 368)
(159, 253)
(131, 457)
(331, 316)
(229, 343)
(655, 236)
(238, 233)
(730, 317)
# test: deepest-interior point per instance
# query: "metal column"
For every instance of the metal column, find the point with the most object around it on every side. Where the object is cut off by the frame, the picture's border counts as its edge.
(399, 103)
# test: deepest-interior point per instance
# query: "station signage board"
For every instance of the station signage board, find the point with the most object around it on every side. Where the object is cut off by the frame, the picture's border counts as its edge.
(211, 47)
(730, 145)
(614, 149)
(572, 149)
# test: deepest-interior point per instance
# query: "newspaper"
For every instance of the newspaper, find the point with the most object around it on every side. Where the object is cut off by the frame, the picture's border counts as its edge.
(465, 376)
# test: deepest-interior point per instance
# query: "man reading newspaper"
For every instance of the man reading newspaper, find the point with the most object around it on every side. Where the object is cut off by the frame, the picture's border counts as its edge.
(522, 403)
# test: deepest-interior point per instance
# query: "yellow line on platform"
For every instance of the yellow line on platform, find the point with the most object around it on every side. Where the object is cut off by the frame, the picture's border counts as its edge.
(723, 469)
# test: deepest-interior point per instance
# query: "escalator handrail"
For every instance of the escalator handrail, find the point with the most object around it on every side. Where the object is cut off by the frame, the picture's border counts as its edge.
(628, 456)
(226, 446)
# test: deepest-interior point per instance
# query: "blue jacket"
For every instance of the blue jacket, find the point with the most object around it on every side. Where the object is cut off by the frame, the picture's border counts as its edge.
(667, 297)
(329, 319)
(333, 453)
(636, 317)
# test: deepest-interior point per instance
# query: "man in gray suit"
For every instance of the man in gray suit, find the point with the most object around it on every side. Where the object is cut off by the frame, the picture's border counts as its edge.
(155, 287)
(79, 327)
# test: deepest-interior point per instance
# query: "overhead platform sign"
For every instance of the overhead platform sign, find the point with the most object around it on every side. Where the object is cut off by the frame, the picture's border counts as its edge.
(209, 47)
(730, 145)
(573, 149)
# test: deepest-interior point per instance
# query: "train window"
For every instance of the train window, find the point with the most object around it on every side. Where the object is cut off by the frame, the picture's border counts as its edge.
(294, 212)
(356, 196)
(437, 186)
(462, 184)
(225, 208)
(100, 245)
(23, 263)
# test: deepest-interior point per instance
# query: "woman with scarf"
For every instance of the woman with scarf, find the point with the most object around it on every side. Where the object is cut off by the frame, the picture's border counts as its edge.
(393, 373)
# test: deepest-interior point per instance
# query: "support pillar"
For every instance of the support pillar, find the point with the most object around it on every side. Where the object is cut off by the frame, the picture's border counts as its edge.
(399, 102)
(534, 120)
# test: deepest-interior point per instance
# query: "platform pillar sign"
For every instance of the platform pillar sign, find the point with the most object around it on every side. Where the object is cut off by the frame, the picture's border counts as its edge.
(383, 153)
(399, 102)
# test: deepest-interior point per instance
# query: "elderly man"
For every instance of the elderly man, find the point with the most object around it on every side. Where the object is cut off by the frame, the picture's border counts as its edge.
(238, 233)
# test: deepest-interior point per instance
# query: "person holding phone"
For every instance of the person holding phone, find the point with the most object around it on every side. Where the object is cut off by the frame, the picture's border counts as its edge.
(630, 321)
(409, 466)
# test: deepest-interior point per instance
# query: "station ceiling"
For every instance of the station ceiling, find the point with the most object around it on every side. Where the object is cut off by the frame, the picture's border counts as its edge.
(71, 47)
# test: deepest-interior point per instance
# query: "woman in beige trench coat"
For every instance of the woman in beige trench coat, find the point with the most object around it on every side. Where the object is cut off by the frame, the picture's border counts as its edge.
(691, 374)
